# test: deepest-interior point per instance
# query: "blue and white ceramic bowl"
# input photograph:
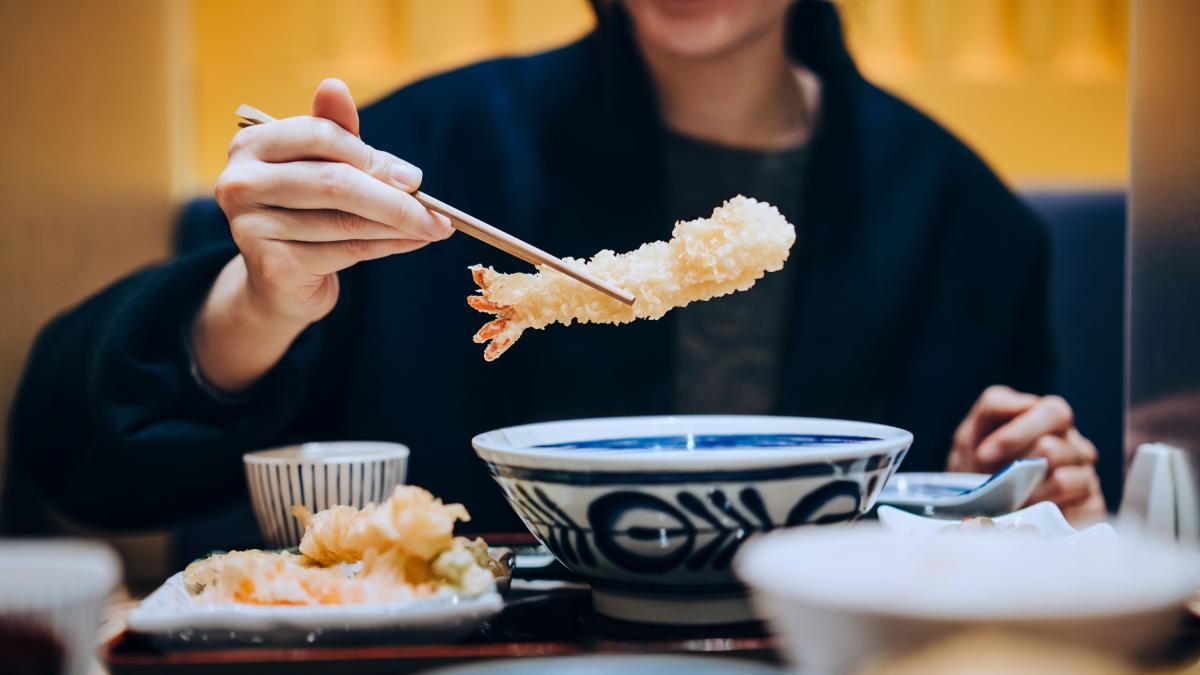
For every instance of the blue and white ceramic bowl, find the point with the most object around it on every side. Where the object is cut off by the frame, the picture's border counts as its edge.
(650, 510)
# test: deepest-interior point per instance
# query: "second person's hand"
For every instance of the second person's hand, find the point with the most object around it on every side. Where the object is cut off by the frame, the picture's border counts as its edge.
(1005, 425)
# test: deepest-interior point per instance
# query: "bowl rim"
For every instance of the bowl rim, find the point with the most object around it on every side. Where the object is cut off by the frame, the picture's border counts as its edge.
(494, 448)
(329, 452)
(38, 566)
(751, 560)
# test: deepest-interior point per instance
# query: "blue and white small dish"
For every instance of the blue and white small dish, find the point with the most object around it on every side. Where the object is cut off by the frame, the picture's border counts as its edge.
(966, 494)
(651, 510)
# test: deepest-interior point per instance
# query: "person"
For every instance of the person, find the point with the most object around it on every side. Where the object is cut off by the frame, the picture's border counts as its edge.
(915, 294)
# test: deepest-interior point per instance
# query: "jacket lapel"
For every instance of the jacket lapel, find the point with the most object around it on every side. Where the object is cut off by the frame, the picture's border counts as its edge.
(869, 228)
(835, 336)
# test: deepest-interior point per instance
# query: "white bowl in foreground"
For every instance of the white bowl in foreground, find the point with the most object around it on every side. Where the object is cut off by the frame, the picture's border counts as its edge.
(838, 597)
(651, 510)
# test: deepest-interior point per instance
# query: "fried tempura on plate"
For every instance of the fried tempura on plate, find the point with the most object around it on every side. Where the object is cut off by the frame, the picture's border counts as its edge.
(705, 258)
(412, 521)
(401, 549)
(260, 578)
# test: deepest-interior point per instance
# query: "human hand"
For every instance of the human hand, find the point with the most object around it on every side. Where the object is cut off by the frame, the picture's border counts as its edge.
(306, 198)
(1006, 425)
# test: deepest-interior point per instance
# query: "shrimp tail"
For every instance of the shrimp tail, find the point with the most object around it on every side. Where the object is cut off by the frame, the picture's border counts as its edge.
(490, 330)
(483, 304)
(501, 332)
(496, 348)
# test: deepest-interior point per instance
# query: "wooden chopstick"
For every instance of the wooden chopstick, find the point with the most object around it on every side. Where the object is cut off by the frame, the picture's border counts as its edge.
(474, 227)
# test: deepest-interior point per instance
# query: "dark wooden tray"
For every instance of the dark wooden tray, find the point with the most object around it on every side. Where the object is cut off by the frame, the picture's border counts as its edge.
(546, 623)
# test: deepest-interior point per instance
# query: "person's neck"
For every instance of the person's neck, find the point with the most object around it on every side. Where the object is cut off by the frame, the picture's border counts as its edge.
(750, 97)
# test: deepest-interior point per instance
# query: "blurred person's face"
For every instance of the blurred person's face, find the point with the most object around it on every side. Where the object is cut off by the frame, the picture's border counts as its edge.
(700, 29)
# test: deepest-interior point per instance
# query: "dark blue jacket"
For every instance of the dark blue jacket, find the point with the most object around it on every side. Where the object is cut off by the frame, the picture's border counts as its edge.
(921, 280)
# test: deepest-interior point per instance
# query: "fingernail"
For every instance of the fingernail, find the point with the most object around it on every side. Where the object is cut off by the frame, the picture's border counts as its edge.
(440, 226)
(407, 175)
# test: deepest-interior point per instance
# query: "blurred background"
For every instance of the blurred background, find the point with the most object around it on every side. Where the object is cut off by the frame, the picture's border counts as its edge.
(118, 112)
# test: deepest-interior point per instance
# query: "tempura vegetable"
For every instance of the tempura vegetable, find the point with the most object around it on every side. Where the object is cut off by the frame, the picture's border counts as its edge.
(401, 549)
(705, 258)
(412, 521)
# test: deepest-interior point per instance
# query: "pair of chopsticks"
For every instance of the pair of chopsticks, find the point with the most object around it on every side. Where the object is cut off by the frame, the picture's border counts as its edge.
(474, 227)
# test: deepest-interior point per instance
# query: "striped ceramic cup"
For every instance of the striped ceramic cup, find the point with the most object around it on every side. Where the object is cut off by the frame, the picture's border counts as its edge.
(318, 476)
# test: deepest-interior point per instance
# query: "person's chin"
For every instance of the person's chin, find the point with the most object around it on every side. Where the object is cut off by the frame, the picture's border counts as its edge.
(688, 43)
(685, 8)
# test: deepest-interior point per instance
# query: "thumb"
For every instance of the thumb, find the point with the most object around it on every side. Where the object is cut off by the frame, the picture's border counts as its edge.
(333, 102)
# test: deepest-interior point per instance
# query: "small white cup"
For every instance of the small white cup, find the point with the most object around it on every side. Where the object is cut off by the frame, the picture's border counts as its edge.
(51, 594)
(318, 476)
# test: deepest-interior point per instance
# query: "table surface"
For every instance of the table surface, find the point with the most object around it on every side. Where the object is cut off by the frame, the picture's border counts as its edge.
(552, 621)
(555, 622)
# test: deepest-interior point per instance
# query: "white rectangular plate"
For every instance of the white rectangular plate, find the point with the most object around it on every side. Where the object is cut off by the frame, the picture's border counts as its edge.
(171, 619)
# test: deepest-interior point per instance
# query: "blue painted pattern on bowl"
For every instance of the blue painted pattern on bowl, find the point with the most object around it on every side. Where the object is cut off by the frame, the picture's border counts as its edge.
(708, 442)
(660, 505)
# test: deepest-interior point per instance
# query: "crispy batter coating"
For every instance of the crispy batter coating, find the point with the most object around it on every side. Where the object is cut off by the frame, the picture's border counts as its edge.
(412, 521)
(401, 549)
(705, 258)
(259, 578)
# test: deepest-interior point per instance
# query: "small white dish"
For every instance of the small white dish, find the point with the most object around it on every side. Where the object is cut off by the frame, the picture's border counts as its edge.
(1045, 516)
(170, 619)
(318, 476)
(966, 494)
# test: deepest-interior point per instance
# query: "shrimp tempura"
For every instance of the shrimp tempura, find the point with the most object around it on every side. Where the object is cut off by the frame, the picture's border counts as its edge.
(705, 258)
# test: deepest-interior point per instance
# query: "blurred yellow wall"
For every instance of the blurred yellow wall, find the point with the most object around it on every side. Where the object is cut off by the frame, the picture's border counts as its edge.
(86, 159)
(89, 152)
(1037, 86)
(117, 110)
(272, 53)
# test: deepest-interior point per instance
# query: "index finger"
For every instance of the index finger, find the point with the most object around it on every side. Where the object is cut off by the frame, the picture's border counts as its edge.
(304, 138)
(995, 406)
(1051, 415)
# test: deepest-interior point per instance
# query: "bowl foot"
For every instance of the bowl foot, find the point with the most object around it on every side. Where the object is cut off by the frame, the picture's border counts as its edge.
(676, 609)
